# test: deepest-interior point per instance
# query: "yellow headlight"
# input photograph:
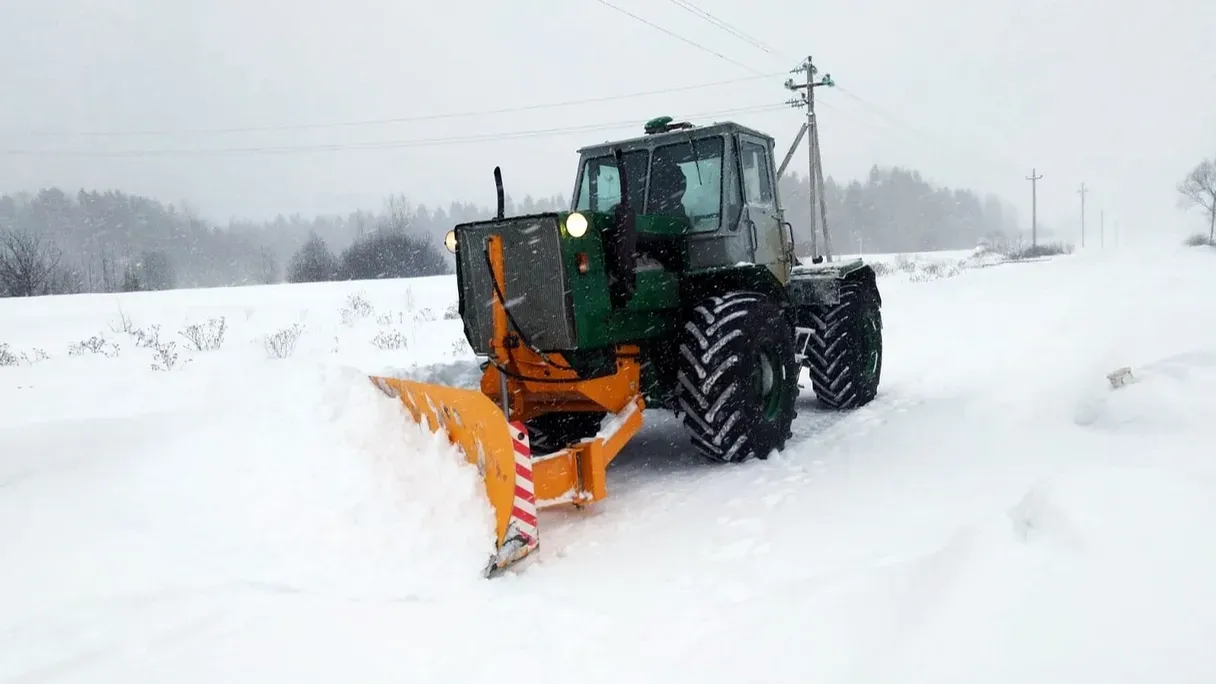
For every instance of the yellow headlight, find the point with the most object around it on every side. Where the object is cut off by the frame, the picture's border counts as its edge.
(449, 241)
(576, 225)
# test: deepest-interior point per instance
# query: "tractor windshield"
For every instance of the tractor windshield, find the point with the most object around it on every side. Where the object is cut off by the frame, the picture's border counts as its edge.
(686, 181)
(681, 179)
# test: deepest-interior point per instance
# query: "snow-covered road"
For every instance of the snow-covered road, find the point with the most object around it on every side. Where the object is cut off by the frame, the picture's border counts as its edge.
(998, 514)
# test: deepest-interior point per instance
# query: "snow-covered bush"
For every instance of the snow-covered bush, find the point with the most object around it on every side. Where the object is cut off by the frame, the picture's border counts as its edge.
(460, 347)
(208, 336)
(936, 270)
(10, 358)
(96, 344)
(357, 308)
(7, 357)
(281, 344)
(390, 339)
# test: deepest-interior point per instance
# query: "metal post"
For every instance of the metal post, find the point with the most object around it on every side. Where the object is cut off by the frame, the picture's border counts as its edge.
(793, 148)
(821, 194)
(811, 176)
(1034, 206)
(1082, 192)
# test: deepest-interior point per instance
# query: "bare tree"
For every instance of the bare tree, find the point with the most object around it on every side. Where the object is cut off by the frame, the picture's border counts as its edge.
(1199, 189)
(109, 273)
(398, 215)
(28, 265)
(268, 266)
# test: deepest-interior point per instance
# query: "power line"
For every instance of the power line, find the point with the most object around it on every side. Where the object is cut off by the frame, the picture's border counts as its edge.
(699, 46)
(371, 145)
(702, 14)
(935, 140)
(395, 120)
(908, 131)
(688, 6)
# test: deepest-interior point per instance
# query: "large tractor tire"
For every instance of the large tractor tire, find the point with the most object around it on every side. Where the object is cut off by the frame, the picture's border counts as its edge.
(555, 431)
(844, 352)
(737, 377)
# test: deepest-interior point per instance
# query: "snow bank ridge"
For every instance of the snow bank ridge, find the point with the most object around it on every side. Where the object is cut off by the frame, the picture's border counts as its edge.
(1168, 396)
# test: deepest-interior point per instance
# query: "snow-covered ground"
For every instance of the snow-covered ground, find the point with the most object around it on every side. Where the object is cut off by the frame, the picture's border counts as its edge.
(999, 514)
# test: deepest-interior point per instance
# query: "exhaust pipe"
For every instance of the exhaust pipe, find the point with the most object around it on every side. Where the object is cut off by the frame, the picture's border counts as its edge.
(502, 205)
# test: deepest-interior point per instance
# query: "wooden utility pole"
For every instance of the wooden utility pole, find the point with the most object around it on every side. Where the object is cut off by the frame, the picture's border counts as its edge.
(1082, 192)
(1034, 178)
(819, 210)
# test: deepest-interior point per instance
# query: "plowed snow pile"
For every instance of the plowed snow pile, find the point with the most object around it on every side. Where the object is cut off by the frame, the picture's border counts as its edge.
(293, 478)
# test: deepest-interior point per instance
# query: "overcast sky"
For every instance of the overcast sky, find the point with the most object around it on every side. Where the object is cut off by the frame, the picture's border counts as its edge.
(1121, 95)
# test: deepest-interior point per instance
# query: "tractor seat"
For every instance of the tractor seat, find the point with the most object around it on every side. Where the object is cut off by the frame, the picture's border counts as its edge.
(646, 262)
(660, 252)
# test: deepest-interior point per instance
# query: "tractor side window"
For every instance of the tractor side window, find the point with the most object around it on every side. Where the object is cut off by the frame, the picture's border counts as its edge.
(600, 187)
(757, 186)
(686, 181)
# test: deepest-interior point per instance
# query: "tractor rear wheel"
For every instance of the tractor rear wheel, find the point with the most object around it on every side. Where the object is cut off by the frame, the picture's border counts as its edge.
(555, 431)
(737, 377)
(844, 350)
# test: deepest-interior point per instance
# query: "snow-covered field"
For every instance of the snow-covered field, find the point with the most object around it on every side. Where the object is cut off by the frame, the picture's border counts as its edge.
(999, 514)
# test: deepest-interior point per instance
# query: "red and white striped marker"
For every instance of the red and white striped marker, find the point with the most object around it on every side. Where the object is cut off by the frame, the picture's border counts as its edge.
(523, 512)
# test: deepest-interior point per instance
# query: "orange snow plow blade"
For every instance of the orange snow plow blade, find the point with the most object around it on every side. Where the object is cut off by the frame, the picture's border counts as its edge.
(516, 483)
(499, 450)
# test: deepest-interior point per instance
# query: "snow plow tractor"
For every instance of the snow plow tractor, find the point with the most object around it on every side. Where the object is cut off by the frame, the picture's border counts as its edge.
(671, 284)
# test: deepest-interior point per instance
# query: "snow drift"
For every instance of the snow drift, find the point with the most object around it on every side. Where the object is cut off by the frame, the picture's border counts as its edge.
(296, 477)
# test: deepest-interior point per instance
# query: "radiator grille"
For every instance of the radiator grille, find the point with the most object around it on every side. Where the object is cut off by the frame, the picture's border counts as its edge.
(536, 287)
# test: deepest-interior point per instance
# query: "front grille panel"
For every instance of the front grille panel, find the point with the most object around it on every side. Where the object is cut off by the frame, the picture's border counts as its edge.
(536, 287)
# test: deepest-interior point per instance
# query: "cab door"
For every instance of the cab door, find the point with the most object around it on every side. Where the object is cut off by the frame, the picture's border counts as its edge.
(760, 215)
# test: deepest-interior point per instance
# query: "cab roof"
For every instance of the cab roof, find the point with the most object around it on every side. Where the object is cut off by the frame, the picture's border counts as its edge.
(677, 135)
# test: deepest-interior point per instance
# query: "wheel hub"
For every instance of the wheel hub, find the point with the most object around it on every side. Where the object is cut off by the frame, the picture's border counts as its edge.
(766, 384)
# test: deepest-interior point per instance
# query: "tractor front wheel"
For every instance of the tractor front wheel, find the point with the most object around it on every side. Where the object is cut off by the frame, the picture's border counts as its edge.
(737, 378)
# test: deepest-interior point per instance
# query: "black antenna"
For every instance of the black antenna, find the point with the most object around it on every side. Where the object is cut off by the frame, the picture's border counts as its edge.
(502, 204)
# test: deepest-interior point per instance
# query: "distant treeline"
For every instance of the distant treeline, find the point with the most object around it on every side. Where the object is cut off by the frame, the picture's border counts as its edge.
(54, 242)
(896, 210)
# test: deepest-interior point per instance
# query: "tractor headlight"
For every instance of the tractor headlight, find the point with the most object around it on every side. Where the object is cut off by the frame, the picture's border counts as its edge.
(576, 225)
(449, 241)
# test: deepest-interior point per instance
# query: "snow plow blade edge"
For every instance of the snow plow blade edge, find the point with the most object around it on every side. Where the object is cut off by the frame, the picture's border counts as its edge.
(499, 450)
